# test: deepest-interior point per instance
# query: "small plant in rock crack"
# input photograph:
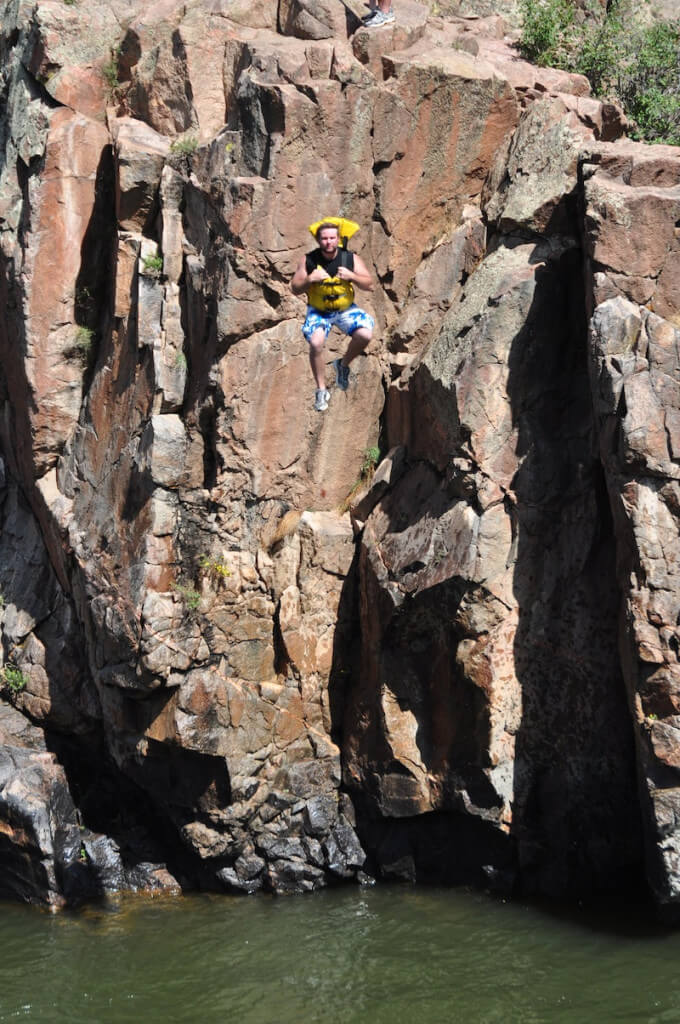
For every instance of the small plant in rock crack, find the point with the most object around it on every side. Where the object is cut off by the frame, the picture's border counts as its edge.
(216, 571)
(82, 343)
(180, 361)
(12, 678)
(84, 298)
(153, 265)
(185, 145)
(190, 597)
(110, 71)
(371, 460)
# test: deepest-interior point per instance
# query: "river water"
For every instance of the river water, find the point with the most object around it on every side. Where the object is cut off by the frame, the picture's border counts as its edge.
(351, 956)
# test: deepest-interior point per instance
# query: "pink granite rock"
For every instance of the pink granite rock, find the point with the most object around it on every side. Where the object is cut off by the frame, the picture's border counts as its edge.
(56, 340)
(432, 684)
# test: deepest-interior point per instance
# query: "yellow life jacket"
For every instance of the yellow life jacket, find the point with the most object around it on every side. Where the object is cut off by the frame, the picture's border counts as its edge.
(333, 295)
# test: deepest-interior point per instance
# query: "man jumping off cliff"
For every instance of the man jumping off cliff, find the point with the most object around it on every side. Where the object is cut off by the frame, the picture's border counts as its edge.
(327, 276)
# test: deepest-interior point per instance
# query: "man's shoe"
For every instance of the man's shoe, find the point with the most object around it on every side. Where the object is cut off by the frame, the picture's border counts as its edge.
(379, 18)
(369, 17)
(341, 374)
(321, 400)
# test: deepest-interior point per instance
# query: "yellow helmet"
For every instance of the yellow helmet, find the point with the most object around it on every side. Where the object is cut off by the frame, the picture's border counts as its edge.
(346, 228)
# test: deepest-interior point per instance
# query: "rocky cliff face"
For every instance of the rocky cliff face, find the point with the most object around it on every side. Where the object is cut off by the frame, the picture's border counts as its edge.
(231, 660)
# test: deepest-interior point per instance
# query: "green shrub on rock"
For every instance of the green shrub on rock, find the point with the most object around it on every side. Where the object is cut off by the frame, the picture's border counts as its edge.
(371, 460)
(624, 57)
(189, 596)
(82, 343)
(650, 85)
(110, 71)
(12, 679)
(185, 144)
(153, 265)
(546, 31)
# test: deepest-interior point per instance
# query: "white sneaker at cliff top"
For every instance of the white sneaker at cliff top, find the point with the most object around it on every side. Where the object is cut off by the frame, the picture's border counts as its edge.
(379, 18)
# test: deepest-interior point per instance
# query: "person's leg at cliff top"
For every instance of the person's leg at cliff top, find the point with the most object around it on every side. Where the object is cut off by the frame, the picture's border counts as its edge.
(381, 15)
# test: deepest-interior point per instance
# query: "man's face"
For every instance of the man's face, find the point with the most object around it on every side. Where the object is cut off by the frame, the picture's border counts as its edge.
(328, 241)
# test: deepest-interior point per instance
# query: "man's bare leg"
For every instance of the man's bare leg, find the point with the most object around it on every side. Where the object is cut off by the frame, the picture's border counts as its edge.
(357, 343)
(317, 359)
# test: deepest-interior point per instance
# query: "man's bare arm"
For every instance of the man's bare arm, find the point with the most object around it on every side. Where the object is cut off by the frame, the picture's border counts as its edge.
(302, 281)
(359, 276)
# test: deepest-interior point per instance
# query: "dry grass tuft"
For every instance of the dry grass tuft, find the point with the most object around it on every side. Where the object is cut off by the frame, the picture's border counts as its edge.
(286, 527)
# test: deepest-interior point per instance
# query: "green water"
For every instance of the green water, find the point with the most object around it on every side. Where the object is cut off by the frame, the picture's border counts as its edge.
(382, 955)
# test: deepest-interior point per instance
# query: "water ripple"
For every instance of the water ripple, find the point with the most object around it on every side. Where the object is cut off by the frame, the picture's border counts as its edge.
(343, 957)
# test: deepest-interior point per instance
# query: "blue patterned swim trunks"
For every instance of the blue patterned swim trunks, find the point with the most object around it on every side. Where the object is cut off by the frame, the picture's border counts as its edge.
(348, 321)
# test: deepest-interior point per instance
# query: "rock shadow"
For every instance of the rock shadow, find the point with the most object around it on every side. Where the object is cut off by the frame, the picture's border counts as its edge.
(415, 730)
(93, 298)
(576, 817)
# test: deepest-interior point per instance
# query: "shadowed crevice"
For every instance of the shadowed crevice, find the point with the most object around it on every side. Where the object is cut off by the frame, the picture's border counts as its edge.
(576, 813)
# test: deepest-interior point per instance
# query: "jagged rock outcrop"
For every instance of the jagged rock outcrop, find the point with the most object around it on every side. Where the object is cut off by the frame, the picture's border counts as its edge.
(282, 692)
(48, 854)
(633, 347)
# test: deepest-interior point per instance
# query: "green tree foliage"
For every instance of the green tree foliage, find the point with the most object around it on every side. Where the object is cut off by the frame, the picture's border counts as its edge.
(547, 28)
(625, 58)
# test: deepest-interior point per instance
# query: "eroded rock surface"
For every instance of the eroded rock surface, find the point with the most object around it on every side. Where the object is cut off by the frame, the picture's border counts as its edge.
(634, 338)
(461, 669)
